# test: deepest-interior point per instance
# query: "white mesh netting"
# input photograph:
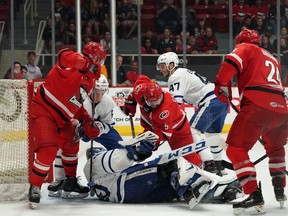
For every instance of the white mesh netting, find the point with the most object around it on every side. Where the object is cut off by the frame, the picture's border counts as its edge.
(13, 139)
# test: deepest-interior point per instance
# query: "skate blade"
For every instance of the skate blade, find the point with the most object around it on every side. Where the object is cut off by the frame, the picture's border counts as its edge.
(73, 195)
(55, 193)
(281, 201)
(33, 205)
(194, 201)
(255, 210)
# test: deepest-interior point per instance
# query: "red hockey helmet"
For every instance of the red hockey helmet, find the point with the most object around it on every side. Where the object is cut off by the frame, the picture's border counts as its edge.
(153, 94)
(248, 36)
(94, 49)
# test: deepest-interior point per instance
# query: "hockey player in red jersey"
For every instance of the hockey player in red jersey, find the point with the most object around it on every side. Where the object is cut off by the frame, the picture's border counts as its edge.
(161, 114)
(57, 101)
(263, 112)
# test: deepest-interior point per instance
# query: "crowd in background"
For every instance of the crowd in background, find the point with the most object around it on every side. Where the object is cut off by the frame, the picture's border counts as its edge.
(167, 34)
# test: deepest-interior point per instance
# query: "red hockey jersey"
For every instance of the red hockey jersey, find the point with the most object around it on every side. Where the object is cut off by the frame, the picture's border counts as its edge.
(258, 76)
(165, 119)
(61, 92)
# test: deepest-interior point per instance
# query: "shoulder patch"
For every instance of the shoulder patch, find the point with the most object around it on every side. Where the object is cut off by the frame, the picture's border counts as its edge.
(164, 114)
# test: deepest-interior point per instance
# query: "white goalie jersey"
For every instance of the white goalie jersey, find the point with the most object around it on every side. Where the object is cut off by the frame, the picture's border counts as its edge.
(190, 87)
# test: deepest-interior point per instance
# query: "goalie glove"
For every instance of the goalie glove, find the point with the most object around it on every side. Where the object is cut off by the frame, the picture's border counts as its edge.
(140, 151)
(130, 105)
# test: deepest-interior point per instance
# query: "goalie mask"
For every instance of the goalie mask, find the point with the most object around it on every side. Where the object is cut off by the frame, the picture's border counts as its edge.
(95, 51)
(153, 94)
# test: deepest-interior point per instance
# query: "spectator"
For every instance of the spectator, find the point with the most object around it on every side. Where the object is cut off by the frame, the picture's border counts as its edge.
(259, 26)
(47, 35)
(95, 16)
(284, 57)
(178, 45)
(240, 11)
(147, 48)
(166, 42)
(33, 71)
(200, 27)
(284, 13)
(121, 74)
(133, 74)
(60, 14)
(18, 73)
(168, 16)
(191, 45)
(89, 33)
(269, 33)
(283, 33)
(70, 36)
(207, 43)
(106, 42)
(129, 18)
(149, 35)
(259, 10)
(265, 43)
(24, 70)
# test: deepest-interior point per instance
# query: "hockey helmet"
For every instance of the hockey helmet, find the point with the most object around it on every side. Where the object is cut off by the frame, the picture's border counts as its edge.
(94, 49)
(167, 58)
(153, 94)
(102, 83)
(248, 36)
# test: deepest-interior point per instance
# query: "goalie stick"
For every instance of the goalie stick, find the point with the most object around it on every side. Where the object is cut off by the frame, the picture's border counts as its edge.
(180, 152)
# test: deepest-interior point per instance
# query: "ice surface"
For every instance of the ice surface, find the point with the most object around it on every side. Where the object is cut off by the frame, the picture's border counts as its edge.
(89, 206)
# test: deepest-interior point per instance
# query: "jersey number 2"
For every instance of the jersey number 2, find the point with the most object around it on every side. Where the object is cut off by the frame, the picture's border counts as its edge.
(274, 74)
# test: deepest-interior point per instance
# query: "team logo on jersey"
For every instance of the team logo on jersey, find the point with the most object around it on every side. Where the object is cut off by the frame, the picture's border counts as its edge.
(164, 114)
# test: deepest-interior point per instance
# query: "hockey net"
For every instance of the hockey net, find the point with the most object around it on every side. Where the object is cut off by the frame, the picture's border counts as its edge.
(14, 148)
(16, 151)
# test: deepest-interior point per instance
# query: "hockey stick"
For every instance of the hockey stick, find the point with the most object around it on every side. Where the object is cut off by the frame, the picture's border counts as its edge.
(91, 183)
(132, 125)
(228, 165)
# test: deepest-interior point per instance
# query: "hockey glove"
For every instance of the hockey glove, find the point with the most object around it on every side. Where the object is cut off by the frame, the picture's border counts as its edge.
(90, 130)
(130, 105)
(223, 93)
(140, 151)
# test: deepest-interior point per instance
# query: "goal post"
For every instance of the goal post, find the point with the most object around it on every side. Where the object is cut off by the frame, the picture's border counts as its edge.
(16, 146)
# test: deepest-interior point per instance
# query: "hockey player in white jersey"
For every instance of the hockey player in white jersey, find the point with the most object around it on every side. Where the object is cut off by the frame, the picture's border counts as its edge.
(108, 137)
(116, 179)
(189, 87)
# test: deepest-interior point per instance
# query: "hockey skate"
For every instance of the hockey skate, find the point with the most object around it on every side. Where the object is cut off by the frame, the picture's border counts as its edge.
(220, 167)
(253, 205)
(34, 196)
(194, 195)
(72, 189)
(211, 167)
(279, 191)
(55, 189)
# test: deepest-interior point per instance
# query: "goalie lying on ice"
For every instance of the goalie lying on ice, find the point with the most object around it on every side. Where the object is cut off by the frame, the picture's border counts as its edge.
(116, 179)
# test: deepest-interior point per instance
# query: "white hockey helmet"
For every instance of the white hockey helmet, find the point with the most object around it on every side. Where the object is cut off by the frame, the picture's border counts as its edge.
(167, 58)
(102, 83)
